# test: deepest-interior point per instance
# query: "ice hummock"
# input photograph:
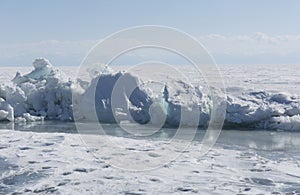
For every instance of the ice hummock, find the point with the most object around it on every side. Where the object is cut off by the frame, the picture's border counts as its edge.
(42, 93)
(134, 103)
(128, 99)
(260, 109)
(46, 93)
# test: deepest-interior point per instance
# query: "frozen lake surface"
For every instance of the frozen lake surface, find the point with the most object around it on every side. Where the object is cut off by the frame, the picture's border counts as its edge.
(50, 157)
(241, 162)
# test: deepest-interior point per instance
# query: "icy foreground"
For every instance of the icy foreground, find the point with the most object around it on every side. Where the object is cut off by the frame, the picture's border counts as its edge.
(46, 93)
(56, 163)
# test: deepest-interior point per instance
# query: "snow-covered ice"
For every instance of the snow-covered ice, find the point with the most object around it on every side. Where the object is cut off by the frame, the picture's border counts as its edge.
(61, 164)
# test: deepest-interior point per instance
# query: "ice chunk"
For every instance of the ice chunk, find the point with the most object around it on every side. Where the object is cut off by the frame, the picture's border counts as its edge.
(282, 98)
(285, 123)
(253, 109)
(128, 99)
(44, 92)
(42, 71)
(30, 118)
(97, 69)
(19, 79)
(41, 63)
(6, 111)
(3, 115)
(186, 105)
(2, 91)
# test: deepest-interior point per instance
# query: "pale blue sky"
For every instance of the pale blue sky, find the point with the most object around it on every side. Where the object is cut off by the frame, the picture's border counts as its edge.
(253, 31)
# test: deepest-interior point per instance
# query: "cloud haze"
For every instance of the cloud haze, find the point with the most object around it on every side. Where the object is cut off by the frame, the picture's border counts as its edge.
(257, 48)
